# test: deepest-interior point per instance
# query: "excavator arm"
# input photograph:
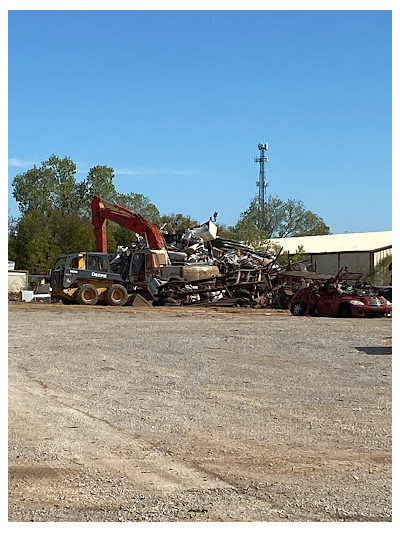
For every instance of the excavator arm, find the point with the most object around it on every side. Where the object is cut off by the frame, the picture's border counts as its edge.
(126, 218)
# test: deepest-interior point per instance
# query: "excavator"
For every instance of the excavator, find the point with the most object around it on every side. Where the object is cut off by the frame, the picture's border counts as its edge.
(91, 277)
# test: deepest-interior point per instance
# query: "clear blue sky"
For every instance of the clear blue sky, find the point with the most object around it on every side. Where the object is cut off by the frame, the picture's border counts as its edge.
(177, 101)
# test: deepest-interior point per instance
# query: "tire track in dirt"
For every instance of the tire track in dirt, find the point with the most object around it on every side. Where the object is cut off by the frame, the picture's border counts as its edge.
(132, 456)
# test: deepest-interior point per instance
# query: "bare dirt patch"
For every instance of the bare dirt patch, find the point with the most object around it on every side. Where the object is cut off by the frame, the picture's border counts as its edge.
(197, 415)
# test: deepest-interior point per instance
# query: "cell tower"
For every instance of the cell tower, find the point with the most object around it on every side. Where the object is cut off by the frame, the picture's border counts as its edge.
(262, 182)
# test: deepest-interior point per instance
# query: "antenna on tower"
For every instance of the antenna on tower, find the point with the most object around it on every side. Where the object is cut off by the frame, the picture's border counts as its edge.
(262, 182)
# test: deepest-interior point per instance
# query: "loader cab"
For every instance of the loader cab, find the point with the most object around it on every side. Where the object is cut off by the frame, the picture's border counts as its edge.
(96, 261)
(57, 274)
(71, 267)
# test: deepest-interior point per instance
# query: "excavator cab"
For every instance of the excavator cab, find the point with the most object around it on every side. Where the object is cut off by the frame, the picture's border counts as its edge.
(145, 264)
(137, 267)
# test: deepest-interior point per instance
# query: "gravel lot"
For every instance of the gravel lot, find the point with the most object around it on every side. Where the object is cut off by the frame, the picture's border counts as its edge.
(171, 414)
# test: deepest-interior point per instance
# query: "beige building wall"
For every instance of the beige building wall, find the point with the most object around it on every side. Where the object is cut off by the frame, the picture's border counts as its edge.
(325, 263)
(332, 263)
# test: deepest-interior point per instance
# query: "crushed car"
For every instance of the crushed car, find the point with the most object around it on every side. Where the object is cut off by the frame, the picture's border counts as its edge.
(338, 298)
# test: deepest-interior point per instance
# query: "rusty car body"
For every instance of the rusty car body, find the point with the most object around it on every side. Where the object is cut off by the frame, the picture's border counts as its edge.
(333, 299)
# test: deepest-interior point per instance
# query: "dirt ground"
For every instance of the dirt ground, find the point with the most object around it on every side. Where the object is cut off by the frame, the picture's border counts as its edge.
(172, 414)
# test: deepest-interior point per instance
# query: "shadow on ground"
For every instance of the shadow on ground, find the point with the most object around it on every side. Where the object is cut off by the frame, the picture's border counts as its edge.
(375, 350)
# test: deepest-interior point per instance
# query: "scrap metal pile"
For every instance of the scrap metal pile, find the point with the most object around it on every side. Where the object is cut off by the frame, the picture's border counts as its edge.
(233, 273)
(244, 277)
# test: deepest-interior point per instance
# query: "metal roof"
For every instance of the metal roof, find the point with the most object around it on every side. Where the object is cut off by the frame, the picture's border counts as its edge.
(339, 242)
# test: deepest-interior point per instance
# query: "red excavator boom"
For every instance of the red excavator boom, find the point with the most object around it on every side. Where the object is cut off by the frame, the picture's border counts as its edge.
(127, 219)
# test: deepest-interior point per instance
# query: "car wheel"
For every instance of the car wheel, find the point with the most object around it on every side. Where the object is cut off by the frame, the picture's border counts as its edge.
(87, 295)
(345, 311)
(282, 301)
(298, 308)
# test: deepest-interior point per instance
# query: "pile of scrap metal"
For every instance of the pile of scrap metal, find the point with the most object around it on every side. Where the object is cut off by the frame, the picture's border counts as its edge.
(244, 274)
(241, 287)
(206, 270)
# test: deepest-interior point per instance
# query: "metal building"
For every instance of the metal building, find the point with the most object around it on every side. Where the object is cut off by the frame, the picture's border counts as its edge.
(360, 252)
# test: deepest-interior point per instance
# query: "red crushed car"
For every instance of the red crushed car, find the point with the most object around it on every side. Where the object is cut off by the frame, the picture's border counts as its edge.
(339, 300)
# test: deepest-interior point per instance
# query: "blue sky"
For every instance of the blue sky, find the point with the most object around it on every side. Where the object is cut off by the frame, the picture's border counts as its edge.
(177, 101)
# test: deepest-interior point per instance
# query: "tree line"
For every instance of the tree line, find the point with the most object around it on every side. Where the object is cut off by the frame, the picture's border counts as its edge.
(56, 215)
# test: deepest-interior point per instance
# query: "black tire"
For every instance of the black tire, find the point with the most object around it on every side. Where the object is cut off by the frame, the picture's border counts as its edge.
(282, 301)
(87, 295)
(116, 295)
(345, 312)
(298, 308)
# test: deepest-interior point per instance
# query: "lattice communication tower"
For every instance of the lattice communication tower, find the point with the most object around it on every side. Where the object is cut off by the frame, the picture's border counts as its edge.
(262, 182)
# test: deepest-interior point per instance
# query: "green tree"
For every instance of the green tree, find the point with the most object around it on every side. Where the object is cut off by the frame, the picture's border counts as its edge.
(50, 186)
(71, 232)
(100, 181)
(39, 238)
(35, 189)
(381, 274)
(175, 222)
(140, 204)
(12, 237)
(65, 196)
(297, 221)
(278, 219)
(34, 244)
(226, 232)
(246, 229)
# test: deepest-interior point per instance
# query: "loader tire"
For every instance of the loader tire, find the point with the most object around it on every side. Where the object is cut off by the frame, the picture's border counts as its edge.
(87, 295)
(116, 295)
